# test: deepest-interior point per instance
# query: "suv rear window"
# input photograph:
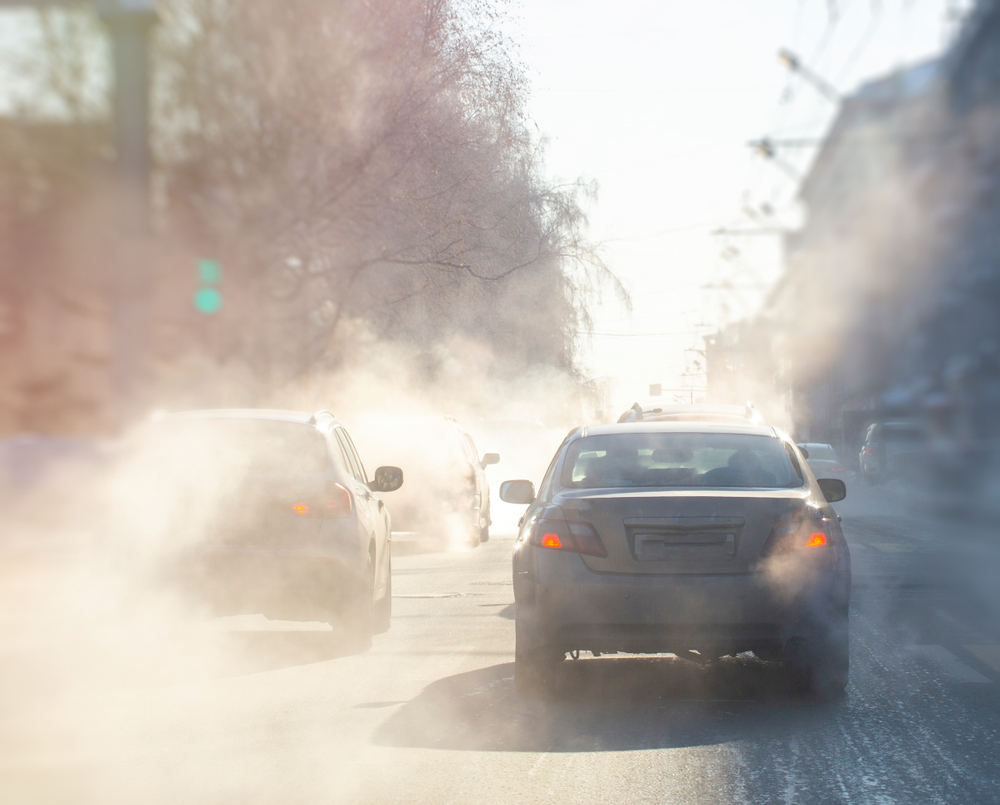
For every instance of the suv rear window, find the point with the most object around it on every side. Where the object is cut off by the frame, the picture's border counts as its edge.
(246, 445)
(821, 452)
(678, 459)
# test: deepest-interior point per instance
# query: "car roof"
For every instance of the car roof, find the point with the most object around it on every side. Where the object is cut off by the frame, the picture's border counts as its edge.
(679, 426)
(701, 412)
(273, 414)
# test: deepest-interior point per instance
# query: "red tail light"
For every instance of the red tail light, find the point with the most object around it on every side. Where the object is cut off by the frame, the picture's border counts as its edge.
(836, 469)
(798, 535)
(562, 535)
(334, 505)
(869, 451)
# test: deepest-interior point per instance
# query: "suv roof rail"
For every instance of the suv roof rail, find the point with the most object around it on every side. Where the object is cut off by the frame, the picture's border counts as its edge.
(319, 415)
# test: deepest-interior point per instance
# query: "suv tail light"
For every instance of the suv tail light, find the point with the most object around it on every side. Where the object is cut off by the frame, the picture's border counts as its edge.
(870, 450)
(799, 535)
(562, 535)
(334, 505)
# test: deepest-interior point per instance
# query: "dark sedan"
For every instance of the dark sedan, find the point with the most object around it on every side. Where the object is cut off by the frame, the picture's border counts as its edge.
(698, 539)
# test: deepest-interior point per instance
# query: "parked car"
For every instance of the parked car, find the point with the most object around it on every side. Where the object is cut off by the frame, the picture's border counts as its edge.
(906, 451)
(267, 512)
(700, 539)
(823, 460)
(447, 496)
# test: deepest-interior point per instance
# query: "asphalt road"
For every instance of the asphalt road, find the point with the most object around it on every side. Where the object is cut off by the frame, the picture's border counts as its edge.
(245, 710)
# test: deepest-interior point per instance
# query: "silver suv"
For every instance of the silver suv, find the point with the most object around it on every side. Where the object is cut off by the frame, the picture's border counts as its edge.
(271, 512)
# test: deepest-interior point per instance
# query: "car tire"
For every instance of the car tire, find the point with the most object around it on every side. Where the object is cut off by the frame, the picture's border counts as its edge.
(361, 618)
(484, 533)
(820, 664)
(383, 609)
(534, 665)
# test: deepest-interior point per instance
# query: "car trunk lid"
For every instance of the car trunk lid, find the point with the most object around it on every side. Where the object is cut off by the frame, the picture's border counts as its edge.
(682, 531)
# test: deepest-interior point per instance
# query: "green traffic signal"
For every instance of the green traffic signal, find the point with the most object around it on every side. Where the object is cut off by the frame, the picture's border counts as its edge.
(208, 299)
(209, 272)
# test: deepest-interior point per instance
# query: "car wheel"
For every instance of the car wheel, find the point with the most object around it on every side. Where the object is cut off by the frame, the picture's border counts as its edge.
(534, 665)
(820, 663)
(383, 609)
(361, 619)
(484, 533)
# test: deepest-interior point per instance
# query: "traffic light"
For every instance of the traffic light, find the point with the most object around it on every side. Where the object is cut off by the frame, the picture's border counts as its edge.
(208, 296)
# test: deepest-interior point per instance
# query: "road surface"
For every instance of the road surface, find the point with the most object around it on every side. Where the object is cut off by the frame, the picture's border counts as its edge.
(246, 710)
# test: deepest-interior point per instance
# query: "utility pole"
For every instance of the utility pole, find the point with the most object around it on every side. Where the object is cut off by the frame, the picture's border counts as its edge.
(130, 23)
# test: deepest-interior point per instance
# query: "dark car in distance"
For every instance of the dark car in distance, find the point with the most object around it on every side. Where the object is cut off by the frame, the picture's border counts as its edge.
(892, 450)
(694, 538)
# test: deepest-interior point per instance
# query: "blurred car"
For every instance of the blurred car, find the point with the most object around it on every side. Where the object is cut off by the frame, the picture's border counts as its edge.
(447, 496)
(271, 512)
(822, 460)
(694, 412)
(526, 447)
(700, 539)
(906, 450)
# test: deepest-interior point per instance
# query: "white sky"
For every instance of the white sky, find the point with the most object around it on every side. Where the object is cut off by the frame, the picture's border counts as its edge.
(656, 100)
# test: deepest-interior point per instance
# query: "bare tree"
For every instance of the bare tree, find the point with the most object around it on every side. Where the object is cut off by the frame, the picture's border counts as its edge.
(379, 156)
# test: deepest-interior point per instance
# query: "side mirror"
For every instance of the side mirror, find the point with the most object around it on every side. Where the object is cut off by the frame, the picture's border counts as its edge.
(833, 489)
(388, 479)
(522, 492)
(489, 458)
(803, 451)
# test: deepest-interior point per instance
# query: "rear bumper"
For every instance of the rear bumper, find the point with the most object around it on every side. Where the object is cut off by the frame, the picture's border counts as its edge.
(279, 584)
(563, 603)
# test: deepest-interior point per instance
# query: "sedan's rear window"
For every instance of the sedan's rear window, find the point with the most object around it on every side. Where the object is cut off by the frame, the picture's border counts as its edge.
(678, 459)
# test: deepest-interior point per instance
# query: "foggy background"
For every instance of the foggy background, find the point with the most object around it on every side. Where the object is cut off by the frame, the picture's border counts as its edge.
(525, 216)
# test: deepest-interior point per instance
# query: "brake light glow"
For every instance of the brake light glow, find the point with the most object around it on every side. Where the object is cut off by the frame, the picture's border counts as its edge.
(335, 504)
(836, 469)
(796, 535)
(564, 535)
(869, 451)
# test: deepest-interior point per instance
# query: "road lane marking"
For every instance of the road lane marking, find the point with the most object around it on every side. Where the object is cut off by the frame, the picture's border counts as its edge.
(988, 654)
(888, 547)
(947, 664)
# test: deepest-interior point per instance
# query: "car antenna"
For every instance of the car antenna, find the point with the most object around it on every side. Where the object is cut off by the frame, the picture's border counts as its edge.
(633, 414)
